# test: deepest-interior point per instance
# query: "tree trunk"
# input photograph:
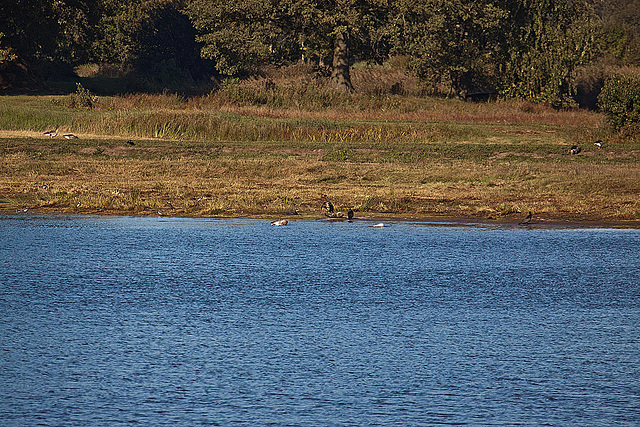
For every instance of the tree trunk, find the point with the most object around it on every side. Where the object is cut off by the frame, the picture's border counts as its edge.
(340, 78)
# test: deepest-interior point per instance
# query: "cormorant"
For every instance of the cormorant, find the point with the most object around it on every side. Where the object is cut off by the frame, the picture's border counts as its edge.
(527, 220)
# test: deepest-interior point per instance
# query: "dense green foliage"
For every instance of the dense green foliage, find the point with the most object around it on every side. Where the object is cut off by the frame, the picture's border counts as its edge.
(620, 101)
(517, 48)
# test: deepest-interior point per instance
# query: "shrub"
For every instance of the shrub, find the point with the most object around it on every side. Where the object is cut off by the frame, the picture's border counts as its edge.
(82, 98)
(620, 100)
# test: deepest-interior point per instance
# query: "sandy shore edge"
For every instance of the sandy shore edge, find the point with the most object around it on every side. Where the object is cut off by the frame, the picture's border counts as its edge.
(566, 222)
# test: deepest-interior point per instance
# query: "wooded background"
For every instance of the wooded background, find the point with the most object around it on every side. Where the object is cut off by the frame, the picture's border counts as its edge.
(543, 50)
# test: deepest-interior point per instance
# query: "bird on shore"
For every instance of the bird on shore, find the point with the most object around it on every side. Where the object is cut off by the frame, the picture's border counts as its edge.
(329, 211)
(527, 220)
(575, 149)
(280, 222)
(130, 142)
(52, 133)
(598, 143)
(350, 214)
(70, 136)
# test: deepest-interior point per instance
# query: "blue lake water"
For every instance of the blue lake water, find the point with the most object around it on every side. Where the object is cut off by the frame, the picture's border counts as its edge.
(163, 321)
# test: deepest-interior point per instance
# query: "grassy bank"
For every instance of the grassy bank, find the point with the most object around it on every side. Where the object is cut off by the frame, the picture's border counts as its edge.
(235, 154)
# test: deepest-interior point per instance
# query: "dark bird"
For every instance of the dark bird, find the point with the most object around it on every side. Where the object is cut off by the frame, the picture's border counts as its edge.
(130, 142)
(598, 143)
(170, 205)
(350, 214)
(575, 149)
(52, 133)
(527, 220)
(70, 136)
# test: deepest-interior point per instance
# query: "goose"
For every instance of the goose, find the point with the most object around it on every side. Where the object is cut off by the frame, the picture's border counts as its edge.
(328, 206)
(70, 136)
(575, 149)
(598, 143)
(52, 133)
(527, 220)
(329, 211)
(280, 222)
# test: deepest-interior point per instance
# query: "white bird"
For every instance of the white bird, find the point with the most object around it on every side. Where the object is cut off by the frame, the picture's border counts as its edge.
(280, 222)
(598, 143)
(70, 136)
(52, 133)
(379, 225)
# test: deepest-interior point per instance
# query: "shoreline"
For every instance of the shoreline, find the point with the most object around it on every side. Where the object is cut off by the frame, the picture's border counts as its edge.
(369, 217)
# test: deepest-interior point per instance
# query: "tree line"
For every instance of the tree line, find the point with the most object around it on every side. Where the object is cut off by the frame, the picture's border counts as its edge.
(518, 48)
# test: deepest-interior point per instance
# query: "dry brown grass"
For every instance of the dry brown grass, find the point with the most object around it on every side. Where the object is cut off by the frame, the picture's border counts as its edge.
(258, 179)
